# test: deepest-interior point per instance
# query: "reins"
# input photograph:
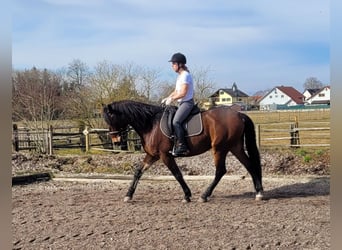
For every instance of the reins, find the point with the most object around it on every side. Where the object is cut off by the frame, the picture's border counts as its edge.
(119, 131)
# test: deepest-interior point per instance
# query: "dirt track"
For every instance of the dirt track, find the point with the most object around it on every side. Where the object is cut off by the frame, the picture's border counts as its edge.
(92, 215)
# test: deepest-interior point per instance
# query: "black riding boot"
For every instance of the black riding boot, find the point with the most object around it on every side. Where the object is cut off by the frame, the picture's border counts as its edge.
(180, 148)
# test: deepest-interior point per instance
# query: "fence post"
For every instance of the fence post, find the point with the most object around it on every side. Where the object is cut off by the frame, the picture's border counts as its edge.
(257, 132)
(50, 140)
(82, 137)
(86, 133)
(15, 138)
(294, 133)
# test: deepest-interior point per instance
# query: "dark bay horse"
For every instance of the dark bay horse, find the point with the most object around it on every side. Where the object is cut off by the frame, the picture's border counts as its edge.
(224, 130)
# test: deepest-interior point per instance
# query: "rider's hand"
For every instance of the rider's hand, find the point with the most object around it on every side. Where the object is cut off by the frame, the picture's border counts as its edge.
(166, 101)
(163, 101)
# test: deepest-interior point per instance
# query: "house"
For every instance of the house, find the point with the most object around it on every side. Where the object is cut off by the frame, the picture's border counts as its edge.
(281, 95)
(227, 97)
(322, 96)
(309, 92)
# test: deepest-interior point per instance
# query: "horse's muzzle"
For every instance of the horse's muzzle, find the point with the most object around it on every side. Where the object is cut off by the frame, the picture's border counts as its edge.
(115, 138)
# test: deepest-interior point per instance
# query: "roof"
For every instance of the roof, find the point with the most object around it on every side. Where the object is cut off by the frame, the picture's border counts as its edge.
(319, 91)
(312, 91)
(231, 92)
(291, 92)
(294, 94)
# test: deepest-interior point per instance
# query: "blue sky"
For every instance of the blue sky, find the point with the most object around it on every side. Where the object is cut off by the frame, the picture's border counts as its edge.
(258, 44)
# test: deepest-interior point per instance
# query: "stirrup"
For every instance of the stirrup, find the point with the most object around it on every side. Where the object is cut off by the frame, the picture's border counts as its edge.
(178, 152)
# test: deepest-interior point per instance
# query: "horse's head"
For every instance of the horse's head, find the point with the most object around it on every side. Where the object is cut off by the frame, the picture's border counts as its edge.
(116, 121)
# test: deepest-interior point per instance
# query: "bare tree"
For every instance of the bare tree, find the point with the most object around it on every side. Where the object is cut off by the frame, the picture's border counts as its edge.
(108, 82)
(204, 86)
(36, 96)
(312, 83)
(36, 100)
(165, 89)
(78, 72)
(149, 83)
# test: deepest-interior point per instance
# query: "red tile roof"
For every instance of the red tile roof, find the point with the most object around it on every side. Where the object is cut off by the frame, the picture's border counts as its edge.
(294, 94)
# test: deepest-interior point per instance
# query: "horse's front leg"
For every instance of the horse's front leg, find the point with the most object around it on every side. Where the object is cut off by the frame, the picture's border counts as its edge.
(140, 169)
(172, 166)
(137, 175)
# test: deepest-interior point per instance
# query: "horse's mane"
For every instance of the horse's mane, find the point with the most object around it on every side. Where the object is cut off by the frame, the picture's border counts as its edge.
(138, 114)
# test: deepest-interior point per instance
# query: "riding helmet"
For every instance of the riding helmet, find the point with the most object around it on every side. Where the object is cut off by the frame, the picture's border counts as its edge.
(178, 58)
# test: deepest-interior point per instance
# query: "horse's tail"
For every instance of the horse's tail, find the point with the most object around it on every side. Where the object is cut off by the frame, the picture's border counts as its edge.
(250, 141)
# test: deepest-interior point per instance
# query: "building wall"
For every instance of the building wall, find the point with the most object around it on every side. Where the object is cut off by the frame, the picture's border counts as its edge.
(323, 95)
(306, 94)
(224, 99)
(275, 97)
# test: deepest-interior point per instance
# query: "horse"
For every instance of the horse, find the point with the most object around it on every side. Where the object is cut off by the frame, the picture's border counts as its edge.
(224, 130)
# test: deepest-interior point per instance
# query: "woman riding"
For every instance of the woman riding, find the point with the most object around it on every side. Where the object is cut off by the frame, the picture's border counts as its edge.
(183, 94)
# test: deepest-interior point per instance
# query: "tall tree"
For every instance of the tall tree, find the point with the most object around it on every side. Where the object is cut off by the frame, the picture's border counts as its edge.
(36, 100)
(204, 86)
(312, 83)
(36, 95)
(149, 83)
(77, 72)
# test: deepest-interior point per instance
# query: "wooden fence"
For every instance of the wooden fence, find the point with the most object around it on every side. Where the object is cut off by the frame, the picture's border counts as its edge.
(285, 134)
(295, 134)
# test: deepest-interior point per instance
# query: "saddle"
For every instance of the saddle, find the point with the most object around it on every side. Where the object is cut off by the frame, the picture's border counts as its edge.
(192, 125)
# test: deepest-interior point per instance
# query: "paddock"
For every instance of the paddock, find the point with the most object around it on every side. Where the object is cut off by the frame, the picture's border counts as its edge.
(61, 214)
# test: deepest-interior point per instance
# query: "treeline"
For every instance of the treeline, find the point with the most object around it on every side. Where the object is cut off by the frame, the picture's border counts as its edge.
(77, 92)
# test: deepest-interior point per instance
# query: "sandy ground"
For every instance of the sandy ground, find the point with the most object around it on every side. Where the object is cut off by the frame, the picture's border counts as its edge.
(59, 214)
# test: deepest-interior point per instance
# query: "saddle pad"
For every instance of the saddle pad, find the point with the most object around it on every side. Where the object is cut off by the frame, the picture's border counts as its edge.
(193, 125)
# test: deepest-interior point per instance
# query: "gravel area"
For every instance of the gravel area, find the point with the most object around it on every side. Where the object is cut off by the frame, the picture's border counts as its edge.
(57, 214)
(273, 163)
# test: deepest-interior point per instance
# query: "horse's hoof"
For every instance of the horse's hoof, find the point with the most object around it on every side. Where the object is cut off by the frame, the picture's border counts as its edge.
(186, 200)
(127, 199)
(201, 199)
(259, 197)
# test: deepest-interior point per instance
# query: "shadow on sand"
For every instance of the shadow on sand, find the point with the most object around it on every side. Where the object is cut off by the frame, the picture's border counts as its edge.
(319, 186)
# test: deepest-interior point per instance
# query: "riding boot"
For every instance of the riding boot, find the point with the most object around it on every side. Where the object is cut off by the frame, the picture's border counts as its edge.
(180, 148)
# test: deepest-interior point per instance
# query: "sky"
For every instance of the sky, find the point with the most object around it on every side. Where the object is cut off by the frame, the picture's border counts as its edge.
(258, 44)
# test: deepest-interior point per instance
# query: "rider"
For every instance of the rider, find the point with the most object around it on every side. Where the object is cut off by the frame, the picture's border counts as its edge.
(183, 93)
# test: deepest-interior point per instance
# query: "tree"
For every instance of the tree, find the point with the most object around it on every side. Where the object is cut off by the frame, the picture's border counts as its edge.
(36, 96)
(36, 100)
(77, 72)
(312, 83)
(202, 84)
(149, 83)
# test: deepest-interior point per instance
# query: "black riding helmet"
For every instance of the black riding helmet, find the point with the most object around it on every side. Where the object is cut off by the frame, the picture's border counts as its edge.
(178, 58)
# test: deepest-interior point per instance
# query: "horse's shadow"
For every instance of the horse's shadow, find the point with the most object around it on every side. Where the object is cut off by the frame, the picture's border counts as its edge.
(319, 186)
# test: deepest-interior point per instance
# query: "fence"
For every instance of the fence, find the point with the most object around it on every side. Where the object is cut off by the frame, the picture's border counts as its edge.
(304, 134)
(55, 138)
(285, 134)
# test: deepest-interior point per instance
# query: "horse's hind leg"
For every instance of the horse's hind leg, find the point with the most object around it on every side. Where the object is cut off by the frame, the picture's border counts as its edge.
(220, 163)
(253, 170)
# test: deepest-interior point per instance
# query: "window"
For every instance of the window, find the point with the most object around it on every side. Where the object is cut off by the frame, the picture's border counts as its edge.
(321, 95)
(270, 96)
(225, 100)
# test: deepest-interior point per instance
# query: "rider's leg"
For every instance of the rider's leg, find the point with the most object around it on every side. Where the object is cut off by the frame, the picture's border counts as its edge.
(182, 113)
